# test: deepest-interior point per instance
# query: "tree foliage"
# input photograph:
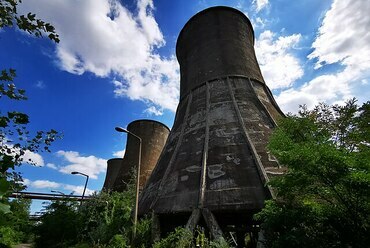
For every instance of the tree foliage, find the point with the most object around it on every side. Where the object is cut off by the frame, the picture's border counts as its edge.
(102, 221)
(324, 198)
(15, 227)
(59, 225)
(9, 17)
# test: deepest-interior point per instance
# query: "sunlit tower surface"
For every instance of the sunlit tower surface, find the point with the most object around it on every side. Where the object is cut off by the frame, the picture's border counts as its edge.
(113, 167)
(120, 171)
(215, 165)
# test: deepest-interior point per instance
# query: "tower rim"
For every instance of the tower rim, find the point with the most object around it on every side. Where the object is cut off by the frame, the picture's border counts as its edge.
(202, 12)
(150, 121)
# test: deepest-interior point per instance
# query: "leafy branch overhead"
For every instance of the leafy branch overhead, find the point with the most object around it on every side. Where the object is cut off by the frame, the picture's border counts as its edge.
(9, 17)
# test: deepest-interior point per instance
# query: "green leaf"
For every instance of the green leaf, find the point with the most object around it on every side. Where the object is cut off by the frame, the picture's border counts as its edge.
(4, 186)
(4, 208)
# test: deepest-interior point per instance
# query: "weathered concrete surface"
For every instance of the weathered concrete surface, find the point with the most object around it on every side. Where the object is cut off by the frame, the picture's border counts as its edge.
(114, 166)
(214, 43)
(154, 135)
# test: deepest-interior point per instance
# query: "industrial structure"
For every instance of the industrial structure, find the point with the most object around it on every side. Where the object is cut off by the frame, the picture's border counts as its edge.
(119, 171)
(114, 165)
(215, 165)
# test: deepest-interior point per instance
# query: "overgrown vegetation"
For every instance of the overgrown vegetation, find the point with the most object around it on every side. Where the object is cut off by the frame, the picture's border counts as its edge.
(16, 227)
(183, 238)
(105, 221)
(324, 199)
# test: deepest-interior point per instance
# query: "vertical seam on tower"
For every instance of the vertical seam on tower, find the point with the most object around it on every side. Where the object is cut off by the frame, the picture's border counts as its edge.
(261, 170)
(205, 153)
(170, 164)
(261, 104)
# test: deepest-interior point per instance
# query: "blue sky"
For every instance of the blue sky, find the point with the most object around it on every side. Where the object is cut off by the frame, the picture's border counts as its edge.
(116, 63)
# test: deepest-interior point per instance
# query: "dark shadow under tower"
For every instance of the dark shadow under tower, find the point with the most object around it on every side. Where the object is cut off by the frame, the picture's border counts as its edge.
(215, 164)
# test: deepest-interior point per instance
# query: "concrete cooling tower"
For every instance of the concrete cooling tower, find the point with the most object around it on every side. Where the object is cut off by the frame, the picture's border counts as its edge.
(113, 167)
(154, 135)
(215, 164)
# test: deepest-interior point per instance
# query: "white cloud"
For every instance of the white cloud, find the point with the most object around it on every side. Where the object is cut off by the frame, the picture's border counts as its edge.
(325, 88)
(46, 184)
(51, 166)
(90, 165)
(344, 35)
(280, 68)
(105, 38)
(260, 4)
(78, 190)
(342, 38)
(33, 158)
(258, 23)
(152, 110)
(28, 156)
(119, 154)
(41, 184)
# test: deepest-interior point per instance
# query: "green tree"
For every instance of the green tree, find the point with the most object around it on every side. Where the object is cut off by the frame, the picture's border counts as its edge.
(59, 226)
(16, 227)
(15, 139)
(324, 198)
(102, 221)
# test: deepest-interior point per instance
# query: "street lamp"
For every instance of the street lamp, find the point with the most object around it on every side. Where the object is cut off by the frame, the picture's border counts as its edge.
(87, 179)
(122, 130)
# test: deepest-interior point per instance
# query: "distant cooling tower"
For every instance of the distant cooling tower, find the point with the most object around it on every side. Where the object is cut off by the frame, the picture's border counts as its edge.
(154, 135)
(113, 167)
(214, 166)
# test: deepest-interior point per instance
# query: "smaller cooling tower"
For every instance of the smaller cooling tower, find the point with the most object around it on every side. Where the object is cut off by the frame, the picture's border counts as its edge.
(113, 167)
(154, 136)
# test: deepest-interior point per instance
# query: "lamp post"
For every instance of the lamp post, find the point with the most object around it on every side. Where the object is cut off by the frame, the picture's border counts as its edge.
(87, 179)
(122, 130)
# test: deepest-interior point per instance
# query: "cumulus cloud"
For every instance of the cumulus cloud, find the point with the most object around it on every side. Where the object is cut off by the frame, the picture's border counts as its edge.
(119, 154)
(77, 190)
(33, 158)
(105, 38)
(28, 156)
(260, 4)
(344, 35)
(342, 38)
(50, 185)
(89, 165)
(325, 88)
(152, 110)
(41, 184)
(51, 166)
(280, 68)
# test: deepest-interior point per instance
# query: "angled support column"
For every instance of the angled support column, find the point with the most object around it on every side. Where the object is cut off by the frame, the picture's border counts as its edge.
(212, 224)
(193, 220)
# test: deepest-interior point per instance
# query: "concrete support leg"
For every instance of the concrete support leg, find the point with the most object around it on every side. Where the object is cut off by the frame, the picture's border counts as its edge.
(193, 220)
(212, 224)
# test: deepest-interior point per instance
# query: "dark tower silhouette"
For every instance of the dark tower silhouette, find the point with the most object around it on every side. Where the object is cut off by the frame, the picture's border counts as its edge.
(215, 164)
(113, 167)
(154, 135)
